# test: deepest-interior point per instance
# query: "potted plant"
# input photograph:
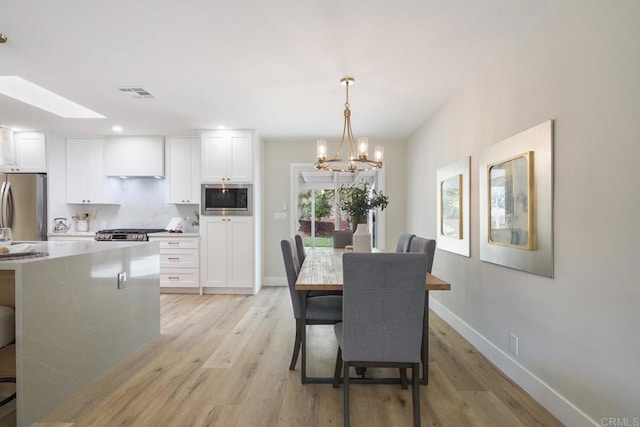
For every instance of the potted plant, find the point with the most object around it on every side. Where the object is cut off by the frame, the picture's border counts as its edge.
(358, 199)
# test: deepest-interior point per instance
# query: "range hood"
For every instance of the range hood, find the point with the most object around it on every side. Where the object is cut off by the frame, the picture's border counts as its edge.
(134, 156)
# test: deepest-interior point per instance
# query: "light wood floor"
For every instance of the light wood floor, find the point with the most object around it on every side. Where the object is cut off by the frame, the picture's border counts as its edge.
(223, 361)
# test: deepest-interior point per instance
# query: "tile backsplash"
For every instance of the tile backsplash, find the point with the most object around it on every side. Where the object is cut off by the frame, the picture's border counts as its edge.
(141, 205)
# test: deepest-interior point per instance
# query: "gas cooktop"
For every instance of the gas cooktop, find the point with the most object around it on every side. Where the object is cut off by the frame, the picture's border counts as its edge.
(117, 234)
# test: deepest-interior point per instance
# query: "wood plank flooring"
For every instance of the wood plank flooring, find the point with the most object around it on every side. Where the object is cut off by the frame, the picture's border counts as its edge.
(223, 361)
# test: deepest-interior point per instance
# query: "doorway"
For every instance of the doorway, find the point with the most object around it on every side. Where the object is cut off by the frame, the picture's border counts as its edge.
(315, 197)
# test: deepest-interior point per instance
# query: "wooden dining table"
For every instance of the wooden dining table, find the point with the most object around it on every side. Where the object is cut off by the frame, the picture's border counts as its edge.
(322, 271)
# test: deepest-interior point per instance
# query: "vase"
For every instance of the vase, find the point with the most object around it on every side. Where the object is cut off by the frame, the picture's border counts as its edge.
(357, 220)
(362, 239)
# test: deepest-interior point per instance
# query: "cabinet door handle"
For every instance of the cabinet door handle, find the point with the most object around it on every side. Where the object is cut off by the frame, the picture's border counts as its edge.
(174, 259)
(173, 243)
(174, 278)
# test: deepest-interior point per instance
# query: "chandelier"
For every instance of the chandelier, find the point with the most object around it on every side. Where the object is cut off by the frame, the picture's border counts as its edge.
(357, 159)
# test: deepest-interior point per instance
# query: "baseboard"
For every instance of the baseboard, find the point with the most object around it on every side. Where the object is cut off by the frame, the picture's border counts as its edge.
(274, 281)
(560, 407)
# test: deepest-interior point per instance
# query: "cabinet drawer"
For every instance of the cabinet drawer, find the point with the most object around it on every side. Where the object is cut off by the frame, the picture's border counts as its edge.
(179, 259)
(178, 243)
(181, 279)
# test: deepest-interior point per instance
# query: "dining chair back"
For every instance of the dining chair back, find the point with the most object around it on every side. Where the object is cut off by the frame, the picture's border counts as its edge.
(404, 242)
(301, 254)
(342, 238)
(424, 246)
(320, 310)
(383, 309)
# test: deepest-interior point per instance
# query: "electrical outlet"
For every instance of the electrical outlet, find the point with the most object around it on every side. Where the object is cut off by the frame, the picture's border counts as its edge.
(513, 344)
(122, 280)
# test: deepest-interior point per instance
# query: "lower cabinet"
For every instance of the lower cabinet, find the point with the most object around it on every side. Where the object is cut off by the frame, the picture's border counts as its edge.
(179, 263)
(227, 254)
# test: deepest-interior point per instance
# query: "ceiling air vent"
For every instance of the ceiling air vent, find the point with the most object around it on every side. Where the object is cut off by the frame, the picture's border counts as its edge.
(135, 92)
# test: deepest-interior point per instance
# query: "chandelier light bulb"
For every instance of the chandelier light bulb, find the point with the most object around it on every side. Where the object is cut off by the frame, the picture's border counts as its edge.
(363, 148)
(322, 149)
(379, 153)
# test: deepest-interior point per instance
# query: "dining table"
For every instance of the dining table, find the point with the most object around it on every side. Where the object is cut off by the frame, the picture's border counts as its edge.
(322, 271)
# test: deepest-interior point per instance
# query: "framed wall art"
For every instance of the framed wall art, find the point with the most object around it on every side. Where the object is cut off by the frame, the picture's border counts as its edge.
(516, 201)
(453, 207)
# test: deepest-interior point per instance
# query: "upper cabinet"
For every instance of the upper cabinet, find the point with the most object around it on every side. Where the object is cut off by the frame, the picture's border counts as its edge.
(134, 156)
(86, 181)
(24, 152)
(227, 156)
(182, 167)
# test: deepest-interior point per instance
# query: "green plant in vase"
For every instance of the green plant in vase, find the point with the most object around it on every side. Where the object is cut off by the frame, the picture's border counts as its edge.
(358, 199)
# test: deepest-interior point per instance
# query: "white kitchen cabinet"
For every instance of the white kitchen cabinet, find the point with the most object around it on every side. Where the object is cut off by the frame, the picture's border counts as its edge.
(27, 153)
(227, 156)
(182, 168)
(227, 254)
(134, 156)
(179, 263)
(86, 181)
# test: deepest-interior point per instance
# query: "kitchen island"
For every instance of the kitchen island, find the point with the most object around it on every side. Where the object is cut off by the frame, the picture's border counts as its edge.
(77, 316)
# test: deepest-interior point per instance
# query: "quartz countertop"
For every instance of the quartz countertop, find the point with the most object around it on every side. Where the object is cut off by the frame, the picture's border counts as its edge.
(63, 248)
(73, 234)
(167, 234)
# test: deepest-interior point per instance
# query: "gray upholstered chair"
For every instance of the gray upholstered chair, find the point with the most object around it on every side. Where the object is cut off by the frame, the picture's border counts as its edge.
(404, 242)
(7, 336)
(321, 310)
(383, 309)
(424, 246)
(301, 254)
(342, 238)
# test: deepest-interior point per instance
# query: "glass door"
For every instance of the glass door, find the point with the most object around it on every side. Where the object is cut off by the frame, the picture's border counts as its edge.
(317, 200)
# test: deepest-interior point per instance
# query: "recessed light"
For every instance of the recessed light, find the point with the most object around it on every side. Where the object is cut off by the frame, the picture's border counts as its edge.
(117, 128)
(30, 93)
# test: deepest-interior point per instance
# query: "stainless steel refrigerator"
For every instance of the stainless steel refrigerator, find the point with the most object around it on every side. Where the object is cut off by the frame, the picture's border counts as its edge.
(23, 205)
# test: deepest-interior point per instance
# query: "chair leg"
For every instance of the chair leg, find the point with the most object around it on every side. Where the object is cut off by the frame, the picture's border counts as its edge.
(415, 384)
(403, 378)
(296, 345)
(346, 393)
(338, 368)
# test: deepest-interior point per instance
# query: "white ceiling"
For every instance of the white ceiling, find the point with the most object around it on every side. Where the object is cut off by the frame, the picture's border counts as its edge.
(273, 66)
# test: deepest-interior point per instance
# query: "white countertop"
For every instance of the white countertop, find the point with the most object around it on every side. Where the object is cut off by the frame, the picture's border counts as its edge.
(93, 233)
(64, 248)
(167, 234)
(73, 234)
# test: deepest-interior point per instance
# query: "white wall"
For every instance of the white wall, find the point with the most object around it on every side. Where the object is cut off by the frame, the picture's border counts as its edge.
(580, 65)
(279, 155)
(141, 199)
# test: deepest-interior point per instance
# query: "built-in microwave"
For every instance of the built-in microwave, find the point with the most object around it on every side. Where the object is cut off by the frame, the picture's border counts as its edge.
(226, 199)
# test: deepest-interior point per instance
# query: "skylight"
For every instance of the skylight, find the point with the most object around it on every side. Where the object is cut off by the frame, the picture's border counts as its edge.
(29, 93)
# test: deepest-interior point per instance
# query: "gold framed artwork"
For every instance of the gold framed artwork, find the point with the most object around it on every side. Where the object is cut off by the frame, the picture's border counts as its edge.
(511, 205)
(453, 207)
(516, 201)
